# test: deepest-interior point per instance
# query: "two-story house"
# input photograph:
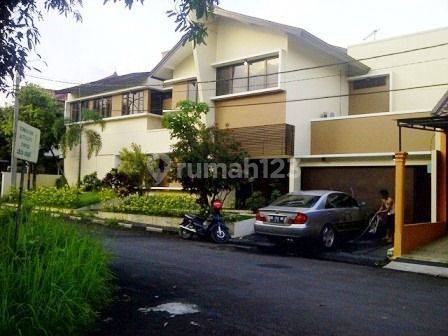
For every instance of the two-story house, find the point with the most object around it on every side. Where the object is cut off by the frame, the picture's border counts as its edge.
(354, 152)
(322, 115)
(131, 106)
(257, 77)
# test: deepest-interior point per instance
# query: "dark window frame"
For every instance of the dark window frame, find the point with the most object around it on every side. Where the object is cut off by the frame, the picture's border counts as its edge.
(75, 111)
(103, 106)
(369, 82)
(225, 85)
(132, 102)
(156, 100)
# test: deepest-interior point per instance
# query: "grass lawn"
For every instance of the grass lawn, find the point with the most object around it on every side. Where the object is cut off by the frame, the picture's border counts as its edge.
(88, 198)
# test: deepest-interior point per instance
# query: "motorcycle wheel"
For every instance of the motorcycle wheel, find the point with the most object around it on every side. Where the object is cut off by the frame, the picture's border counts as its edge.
(219, 235)
(185, 234)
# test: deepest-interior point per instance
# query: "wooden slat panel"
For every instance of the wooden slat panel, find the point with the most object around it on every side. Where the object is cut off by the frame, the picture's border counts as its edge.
(267, 140)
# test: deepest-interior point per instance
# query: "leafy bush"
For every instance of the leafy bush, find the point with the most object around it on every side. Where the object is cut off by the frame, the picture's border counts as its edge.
(275, 194)
(91, 182)
(161, 204)
(255, 201)
(164, 204)
(57, 280)
(63, 198)
(61, 182)
(120, 182)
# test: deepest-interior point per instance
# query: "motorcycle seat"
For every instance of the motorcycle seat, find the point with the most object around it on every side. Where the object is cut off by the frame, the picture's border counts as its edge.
(191, 216)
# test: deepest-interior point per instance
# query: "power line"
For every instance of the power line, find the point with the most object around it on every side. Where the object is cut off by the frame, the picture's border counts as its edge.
(274, 73)
(322, 97)
(338, 96)
(308, 78)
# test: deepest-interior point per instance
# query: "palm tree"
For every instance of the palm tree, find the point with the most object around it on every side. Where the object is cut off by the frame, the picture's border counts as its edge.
(76, 131)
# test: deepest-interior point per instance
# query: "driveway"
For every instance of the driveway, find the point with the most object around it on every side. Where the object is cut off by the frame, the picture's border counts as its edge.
(241, 292)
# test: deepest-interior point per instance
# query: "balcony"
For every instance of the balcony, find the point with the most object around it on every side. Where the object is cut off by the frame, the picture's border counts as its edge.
(366, 133)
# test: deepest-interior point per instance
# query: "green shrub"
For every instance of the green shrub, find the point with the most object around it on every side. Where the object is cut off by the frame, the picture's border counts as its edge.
(57, 280)
(159, 204)
(61, 182)
(164, 204)
(66, 197)
(120, 182)
(275, 194)
(91, 182)
(255, 201)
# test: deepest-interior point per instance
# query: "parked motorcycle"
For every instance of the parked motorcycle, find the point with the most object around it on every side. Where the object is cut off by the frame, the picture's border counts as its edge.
(213, 227)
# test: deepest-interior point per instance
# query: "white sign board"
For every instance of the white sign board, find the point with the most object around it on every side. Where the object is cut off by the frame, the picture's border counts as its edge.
(27, 142)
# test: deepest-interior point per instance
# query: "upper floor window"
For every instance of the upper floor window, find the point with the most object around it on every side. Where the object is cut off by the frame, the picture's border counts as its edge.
(77, 109)
(247, 76)
(103, 106)
(132, 103)
(371, 82)
(158, 101)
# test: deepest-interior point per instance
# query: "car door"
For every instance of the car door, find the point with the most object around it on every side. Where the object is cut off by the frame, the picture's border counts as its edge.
(353, 214)
(356, 214)
(336, 214)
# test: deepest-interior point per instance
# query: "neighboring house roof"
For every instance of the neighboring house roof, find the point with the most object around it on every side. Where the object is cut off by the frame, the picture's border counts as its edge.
(337, 52)
(112, 83)
(441, 108)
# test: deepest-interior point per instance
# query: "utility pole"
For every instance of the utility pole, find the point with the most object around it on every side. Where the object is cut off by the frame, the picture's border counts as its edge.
(14, 132)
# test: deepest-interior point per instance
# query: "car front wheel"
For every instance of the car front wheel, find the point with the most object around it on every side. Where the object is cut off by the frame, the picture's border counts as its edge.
(328, 237)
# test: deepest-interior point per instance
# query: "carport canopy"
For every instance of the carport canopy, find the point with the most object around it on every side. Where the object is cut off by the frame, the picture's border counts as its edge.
(432, 124)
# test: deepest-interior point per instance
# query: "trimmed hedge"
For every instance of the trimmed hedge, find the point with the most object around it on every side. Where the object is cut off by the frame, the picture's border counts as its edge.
(71, 198)
(163, 204)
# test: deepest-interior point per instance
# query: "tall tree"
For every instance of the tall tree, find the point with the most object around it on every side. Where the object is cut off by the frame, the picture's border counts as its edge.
(40, 109)
(19, 34)
(75, 132)
(208, 162)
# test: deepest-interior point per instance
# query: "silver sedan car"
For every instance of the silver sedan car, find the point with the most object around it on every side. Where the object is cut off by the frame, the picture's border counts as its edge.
(321, 214)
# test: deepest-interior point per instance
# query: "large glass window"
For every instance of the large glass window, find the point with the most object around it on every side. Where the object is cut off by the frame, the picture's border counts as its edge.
(103, 106)
(247, 76)
(157, 99)
(75, 111)
(132, 103)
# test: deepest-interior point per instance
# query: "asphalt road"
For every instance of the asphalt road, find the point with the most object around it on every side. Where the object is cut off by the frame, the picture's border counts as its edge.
(242, 292)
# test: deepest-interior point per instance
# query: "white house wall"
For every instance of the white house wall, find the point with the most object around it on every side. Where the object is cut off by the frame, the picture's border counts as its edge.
(303, 85)
(417, 68)
(144, 131)
(185, 69)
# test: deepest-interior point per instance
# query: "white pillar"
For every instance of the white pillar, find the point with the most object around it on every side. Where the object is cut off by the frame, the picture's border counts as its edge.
(294, 175)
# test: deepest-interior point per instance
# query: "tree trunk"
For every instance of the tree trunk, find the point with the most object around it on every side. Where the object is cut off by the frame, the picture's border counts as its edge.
(79, 161)
(34, 175)
(58, 165)
(28, 175)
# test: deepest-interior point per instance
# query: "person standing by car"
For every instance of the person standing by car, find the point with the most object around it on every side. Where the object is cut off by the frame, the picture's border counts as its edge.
(387, 211)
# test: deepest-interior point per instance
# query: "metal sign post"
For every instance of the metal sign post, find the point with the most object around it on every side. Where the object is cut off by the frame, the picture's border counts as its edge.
(26, 148)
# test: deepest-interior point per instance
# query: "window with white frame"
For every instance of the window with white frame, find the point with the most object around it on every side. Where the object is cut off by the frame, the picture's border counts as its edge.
(248, 76)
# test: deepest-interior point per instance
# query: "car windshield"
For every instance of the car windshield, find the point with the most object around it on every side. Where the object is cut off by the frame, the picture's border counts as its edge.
(296, 201)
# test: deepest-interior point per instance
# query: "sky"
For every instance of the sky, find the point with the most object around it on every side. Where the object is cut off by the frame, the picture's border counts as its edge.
(112, 38)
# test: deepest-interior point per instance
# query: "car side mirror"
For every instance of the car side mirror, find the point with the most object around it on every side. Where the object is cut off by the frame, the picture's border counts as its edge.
(362, 204)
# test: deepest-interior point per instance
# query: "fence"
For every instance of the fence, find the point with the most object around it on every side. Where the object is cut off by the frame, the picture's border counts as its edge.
(42, 180)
